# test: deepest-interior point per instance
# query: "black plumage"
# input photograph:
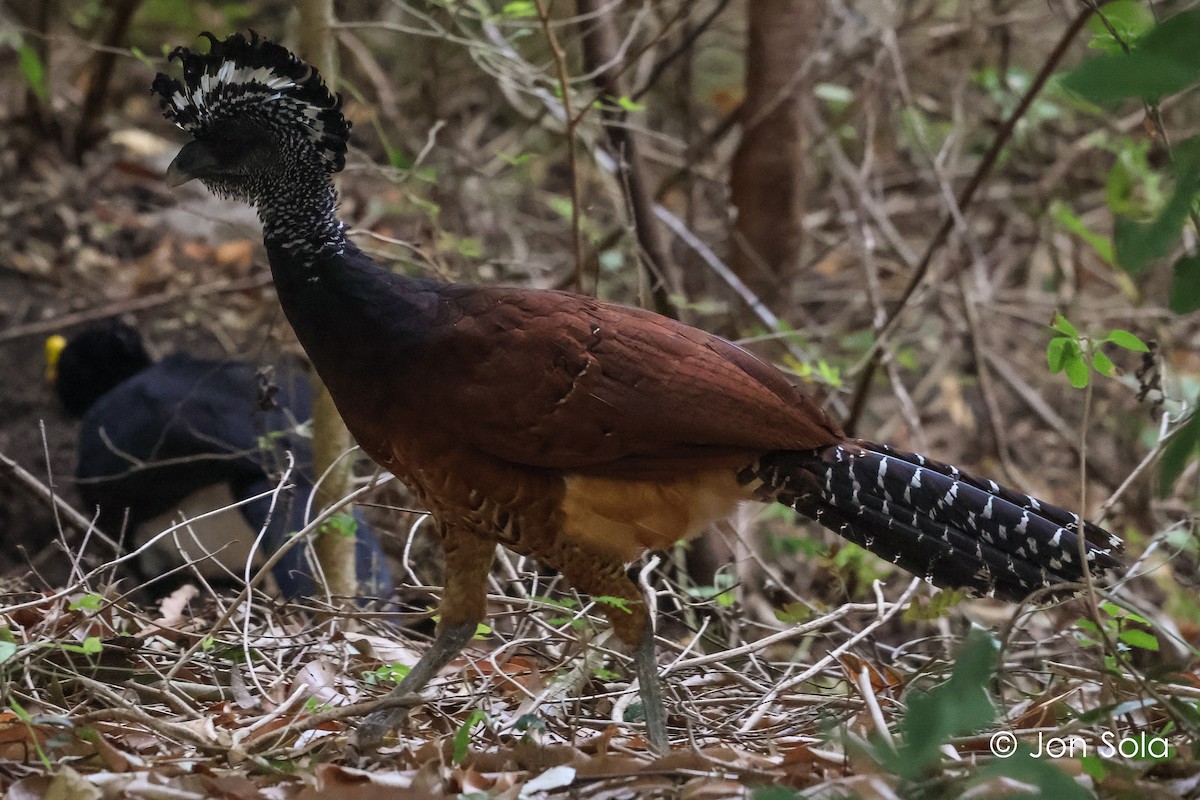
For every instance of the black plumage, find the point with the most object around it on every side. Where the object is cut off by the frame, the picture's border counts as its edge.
(934, 520)
(154, 434)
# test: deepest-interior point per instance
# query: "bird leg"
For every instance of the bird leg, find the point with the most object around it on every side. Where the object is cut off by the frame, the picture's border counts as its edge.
(468, 561)
(650, 688)
(602, 577)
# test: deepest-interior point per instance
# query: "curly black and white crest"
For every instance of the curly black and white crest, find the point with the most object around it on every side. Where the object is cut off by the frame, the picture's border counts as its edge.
(240, 79)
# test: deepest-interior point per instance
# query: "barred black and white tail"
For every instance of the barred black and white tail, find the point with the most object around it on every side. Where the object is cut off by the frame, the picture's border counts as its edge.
(935, 521)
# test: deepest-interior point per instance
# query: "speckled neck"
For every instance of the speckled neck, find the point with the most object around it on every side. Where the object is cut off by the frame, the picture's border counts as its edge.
(303, 223)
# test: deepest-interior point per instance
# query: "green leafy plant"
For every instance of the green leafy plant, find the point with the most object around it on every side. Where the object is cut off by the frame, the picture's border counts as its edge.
(8, 645)
(88, 602)
(1183, 447)
(91, 646)
(613, 602)
(1121, 22)
(27, 719)
(1078, 355)
(720, 591)
(34, 72)
(1147, 63)
(569, 604)
(1162, 61)
(957, 707)
(1116, 625)
(388, 673)
(341, 524)
(962, 706)
(462, 737)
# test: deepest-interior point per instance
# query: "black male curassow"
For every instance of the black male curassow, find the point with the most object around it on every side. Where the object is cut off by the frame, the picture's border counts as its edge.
(571, 430)
(195, 435)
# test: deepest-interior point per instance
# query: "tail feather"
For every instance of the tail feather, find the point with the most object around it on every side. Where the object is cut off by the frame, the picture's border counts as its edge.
(935, 521)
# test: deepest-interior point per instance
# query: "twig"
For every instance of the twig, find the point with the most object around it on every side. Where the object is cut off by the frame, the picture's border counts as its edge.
(88, 130)
(986, 389)
(64, 510)
(764, 704)
(870, 362)
(308, 530)
(689, 39)
(757, 645)
(1164, 438)
(601, 58)
(134, 304)
(572, 124)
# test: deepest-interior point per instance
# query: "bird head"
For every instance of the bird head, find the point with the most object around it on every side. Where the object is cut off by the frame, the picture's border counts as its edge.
(91, 363)
(261, 120)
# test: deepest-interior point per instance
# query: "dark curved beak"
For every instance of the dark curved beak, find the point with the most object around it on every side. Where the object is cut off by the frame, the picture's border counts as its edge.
(195, 160)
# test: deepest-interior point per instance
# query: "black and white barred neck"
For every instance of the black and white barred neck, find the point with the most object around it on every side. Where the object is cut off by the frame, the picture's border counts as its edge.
(254, 95)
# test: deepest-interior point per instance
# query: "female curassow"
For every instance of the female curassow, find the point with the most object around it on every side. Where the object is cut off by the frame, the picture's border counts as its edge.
(571, 430)
(160, 437)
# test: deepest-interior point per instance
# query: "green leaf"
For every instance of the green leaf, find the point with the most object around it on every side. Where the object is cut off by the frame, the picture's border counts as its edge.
(793, 613)
(1179, 451)
(560, 205)
(89, 602)
(1185, 285)
(919, 132)
(1064, 326)
(340, 524)
(1070, 222)
(1134, 188)
(1164, 61)
(462, 738)
(7, 651)
(1117, 612)
(397, 157)
(388, 673)
(1137, 243)
(957, 707)
(1102, 364)
(613, 602)
(520, 9)
(1093, 767)
(1059, 351)
(34, 72)
(1139, 639)
(1128, 18)
(513, 160)
(629, 104)
(775, 793)
(1126, 340)
(1077, 372)
(1023, 767)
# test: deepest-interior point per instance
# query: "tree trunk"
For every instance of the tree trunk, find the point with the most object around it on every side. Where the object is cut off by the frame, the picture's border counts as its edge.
(336, 553)
(767, 180)
(601, 57)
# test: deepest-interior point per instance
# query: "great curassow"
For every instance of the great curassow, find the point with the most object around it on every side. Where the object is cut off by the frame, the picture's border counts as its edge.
(567, 429)
(188, 433)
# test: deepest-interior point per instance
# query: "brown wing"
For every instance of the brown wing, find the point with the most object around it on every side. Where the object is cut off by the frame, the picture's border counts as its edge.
(563, 381)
